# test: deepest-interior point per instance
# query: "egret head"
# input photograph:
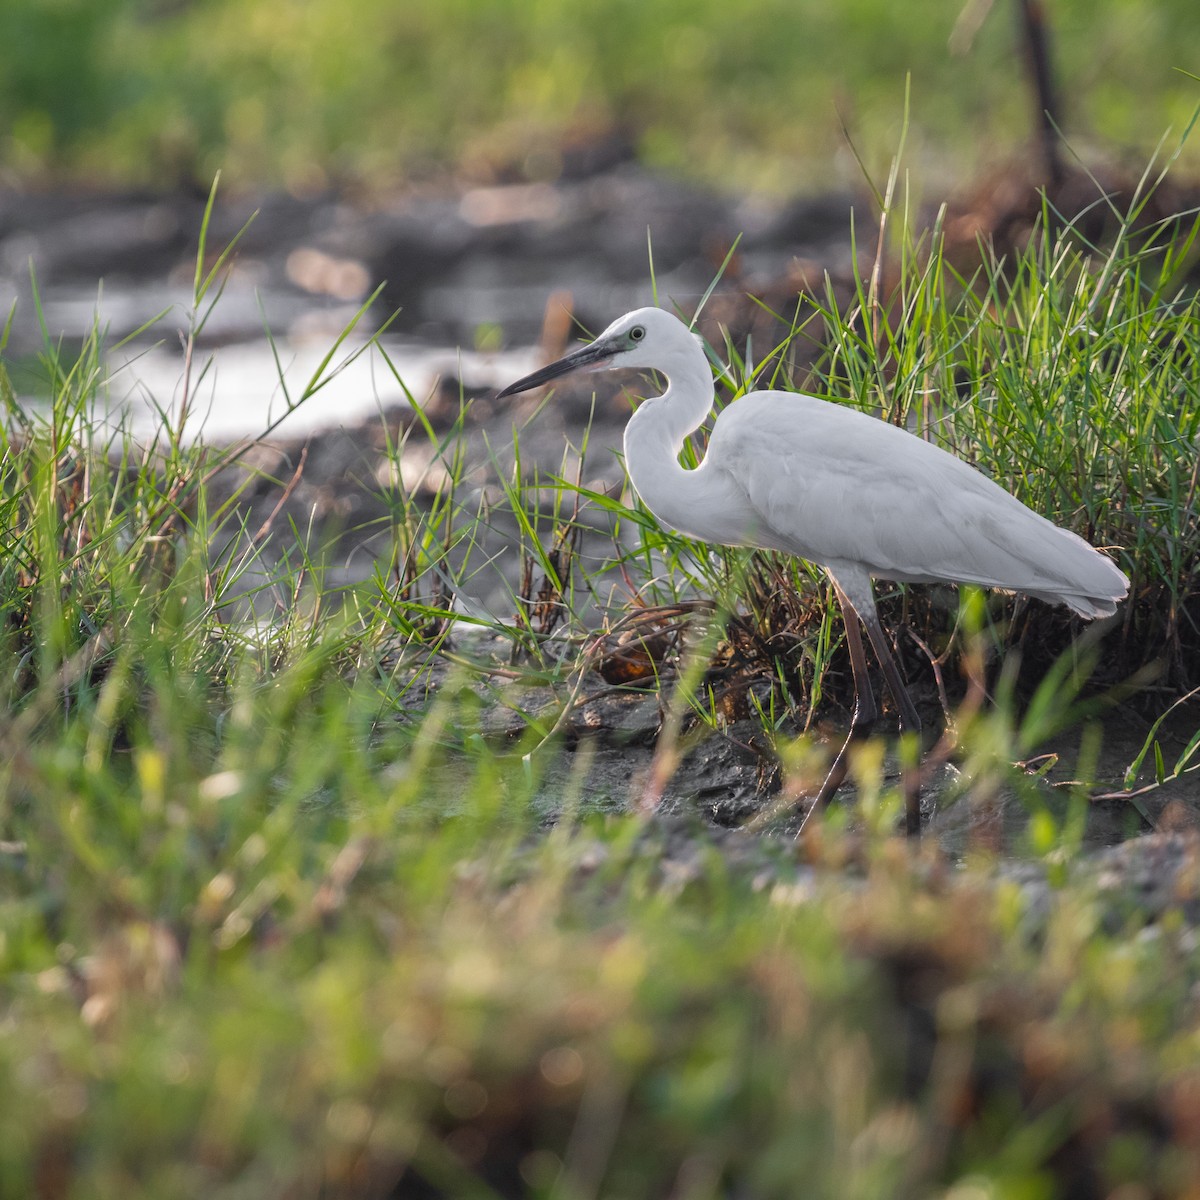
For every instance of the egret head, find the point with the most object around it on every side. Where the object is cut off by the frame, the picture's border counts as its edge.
(646, 337)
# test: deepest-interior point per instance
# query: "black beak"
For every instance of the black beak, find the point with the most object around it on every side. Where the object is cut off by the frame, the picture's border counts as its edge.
(585, 356)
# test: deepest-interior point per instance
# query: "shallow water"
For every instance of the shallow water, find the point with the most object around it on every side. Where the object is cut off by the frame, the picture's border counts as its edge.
(243, 380)
(241, 389)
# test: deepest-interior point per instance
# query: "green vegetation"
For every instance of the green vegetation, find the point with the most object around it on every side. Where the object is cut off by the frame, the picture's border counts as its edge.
(740, 95)
(275, 920)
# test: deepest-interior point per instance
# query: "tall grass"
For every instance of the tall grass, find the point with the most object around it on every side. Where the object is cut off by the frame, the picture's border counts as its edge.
(1068, 374)
(278, 919)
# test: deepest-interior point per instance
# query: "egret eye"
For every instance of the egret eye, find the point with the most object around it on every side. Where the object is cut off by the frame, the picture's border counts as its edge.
(637, 333)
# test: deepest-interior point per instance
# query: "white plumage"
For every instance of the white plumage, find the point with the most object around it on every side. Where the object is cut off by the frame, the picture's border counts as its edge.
(897, 506)
(837, 487)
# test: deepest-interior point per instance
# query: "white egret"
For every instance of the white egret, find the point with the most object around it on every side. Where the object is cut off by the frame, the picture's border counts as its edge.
(857, 496)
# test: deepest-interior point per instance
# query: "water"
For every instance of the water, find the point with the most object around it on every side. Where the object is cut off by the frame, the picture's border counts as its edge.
(239, 390)
(243, 379)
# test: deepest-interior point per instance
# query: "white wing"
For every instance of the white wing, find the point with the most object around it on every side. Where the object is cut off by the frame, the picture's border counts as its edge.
(832, 484)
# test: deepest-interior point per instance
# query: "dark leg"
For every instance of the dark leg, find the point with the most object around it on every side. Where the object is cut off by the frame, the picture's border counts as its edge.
(910, 721)
(861, 722)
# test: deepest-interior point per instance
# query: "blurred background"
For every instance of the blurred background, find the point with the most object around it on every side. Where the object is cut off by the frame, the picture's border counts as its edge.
(492, 163)
(311, 94)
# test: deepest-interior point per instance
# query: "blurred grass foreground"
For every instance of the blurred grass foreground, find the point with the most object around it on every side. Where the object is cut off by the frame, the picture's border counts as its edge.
(745, 96)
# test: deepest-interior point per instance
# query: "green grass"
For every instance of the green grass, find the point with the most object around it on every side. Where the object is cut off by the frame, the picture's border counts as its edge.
(276, 920)
(738, 95)
(1068, 372)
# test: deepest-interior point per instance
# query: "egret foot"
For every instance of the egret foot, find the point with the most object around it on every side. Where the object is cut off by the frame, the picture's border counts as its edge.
(860, 730)
(866, 711)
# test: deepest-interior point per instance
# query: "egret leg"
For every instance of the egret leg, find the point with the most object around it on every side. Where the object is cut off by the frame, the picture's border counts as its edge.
(910, 719)
(853, 588)
(862, 720)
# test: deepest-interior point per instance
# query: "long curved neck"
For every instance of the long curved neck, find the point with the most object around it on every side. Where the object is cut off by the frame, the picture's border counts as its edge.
(657, 431)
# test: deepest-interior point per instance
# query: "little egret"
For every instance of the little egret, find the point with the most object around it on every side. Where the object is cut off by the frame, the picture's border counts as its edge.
(855, 495)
